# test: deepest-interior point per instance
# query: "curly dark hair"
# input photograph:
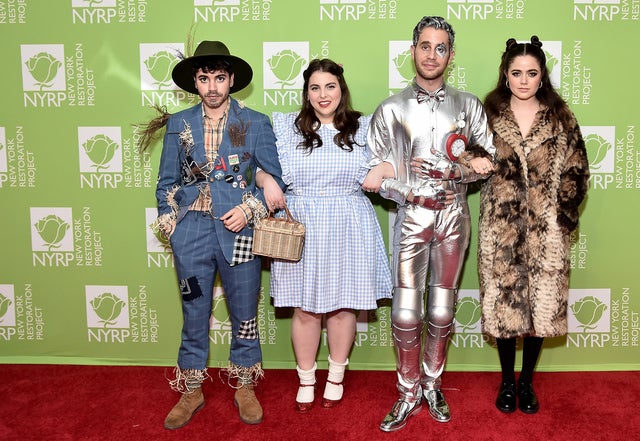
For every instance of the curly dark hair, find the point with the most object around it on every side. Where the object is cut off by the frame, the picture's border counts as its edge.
(211, 65)
(498, 99)
(345, 119)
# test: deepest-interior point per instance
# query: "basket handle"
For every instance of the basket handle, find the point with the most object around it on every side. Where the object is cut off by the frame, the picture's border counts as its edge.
(290, 217)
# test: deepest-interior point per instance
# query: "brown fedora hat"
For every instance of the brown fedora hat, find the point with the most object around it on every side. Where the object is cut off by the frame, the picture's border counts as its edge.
(183, 71)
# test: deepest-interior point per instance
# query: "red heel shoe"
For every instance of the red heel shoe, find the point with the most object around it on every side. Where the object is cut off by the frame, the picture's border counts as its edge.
(326, 402)
(305, 407)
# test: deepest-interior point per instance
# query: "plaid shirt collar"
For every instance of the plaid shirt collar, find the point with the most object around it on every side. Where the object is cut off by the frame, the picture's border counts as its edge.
(213, 131)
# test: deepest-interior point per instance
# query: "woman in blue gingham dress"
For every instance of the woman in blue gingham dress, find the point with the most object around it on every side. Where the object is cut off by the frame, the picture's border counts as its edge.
(344, 265)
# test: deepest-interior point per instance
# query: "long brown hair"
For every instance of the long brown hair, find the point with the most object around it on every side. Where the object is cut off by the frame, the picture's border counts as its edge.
(345, 119)
(499, 98)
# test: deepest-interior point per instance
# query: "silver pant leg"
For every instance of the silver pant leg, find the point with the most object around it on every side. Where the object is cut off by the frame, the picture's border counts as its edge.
(413, 230)
(407, 324)
(446, 258)
(440, 309)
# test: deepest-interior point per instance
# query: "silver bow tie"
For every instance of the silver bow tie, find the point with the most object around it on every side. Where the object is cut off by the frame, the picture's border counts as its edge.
(423, 95)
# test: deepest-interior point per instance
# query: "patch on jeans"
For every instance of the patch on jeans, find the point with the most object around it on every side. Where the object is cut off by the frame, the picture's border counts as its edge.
(242, 249)
(248, 329)
(190, 289)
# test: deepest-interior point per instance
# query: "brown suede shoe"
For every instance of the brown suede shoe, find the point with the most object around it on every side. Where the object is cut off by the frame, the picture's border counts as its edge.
(187, 406)
(248, 405)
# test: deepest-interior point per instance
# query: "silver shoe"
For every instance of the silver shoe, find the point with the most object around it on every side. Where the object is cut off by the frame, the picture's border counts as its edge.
(396, 419)
(438, 407)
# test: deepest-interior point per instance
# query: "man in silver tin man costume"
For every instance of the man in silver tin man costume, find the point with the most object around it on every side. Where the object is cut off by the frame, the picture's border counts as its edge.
(436, 139)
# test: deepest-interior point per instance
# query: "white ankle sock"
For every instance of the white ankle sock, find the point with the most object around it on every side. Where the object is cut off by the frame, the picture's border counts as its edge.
(306, 393)
(333, 389)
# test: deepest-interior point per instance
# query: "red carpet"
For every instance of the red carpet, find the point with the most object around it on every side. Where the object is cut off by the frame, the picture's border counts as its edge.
(44, 402)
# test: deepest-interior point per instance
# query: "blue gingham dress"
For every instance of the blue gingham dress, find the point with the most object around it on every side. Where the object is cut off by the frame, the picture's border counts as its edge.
(344, 262)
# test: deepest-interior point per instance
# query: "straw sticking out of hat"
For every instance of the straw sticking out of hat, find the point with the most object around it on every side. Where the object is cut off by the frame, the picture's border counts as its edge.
(183, 71)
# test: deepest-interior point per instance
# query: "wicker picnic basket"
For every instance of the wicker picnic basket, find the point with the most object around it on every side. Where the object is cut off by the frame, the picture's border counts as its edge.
(279, 238)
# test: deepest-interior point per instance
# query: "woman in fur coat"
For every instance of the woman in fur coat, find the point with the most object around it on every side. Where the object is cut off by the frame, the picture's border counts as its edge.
(529, 207)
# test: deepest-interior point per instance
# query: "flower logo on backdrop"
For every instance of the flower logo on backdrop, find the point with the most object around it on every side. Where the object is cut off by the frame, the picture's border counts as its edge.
(157, 61)
(5, 303)
(606, 166)
(109, 160)
(116, 316)
(613, 156)
(587, 308)
(286, 66)
(100, 149)
(52, 230)
(468, 313)
(467, 324)
(51, 79)
(159, 66)
(42, 67)
(57, 239)
(401, 68)
(220, 313)
(597, 150)
(8, 313)
(552, 61)
(219, 323)
(101, 157)
(283, 63)
(553, 54)
(107, 308)
(597, 319)
(588, 311)
(404, 65)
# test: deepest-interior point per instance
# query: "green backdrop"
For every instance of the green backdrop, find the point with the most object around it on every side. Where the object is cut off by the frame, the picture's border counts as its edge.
(83, 280)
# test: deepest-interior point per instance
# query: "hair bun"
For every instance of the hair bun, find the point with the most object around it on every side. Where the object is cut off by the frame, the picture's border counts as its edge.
(511, 43)
(535, 41)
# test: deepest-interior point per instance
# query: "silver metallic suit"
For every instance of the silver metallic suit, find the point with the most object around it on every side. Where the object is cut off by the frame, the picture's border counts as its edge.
(426, 240)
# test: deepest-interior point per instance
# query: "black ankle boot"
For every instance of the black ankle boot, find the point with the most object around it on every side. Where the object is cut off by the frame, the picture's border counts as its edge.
(527, 400)
(506, 401)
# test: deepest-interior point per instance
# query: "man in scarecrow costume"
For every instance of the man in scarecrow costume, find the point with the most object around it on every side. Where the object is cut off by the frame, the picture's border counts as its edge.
(207, 202)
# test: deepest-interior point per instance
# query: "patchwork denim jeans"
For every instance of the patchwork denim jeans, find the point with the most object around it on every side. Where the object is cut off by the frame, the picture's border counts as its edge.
(198, 259)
